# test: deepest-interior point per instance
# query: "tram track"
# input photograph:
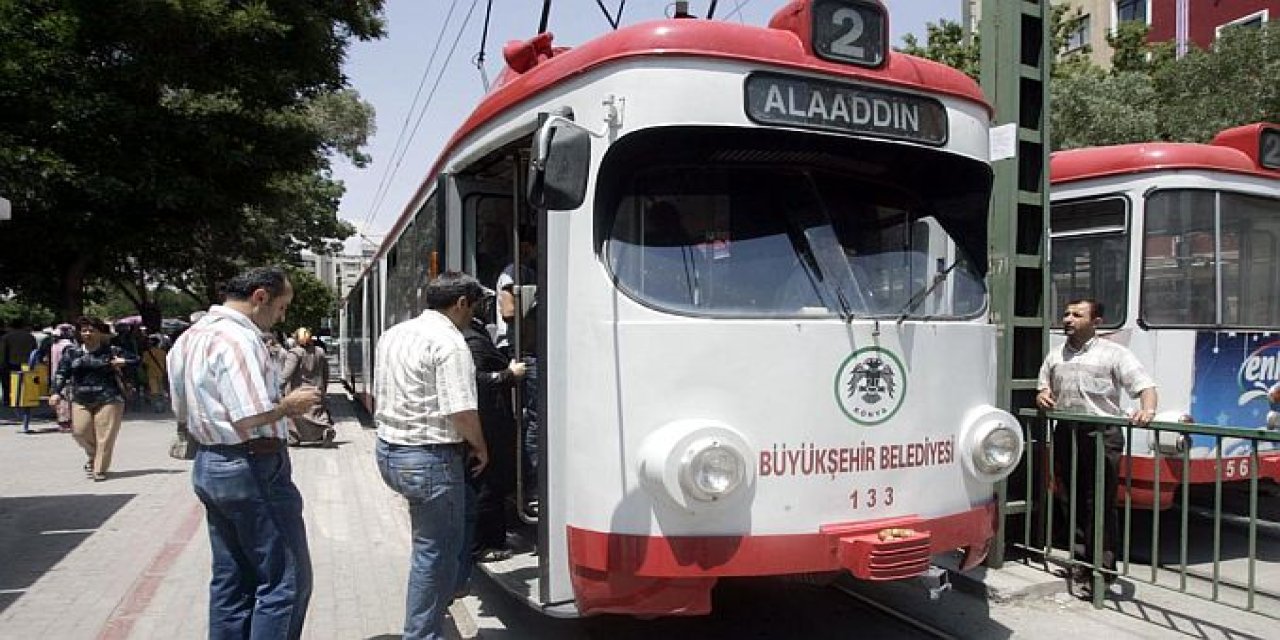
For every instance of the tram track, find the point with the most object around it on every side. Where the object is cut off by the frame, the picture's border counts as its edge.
(900, 616)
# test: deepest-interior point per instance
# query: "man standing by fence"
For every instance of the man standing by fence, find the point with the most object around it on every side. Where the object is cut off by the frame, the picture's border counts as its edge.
(1085, 376)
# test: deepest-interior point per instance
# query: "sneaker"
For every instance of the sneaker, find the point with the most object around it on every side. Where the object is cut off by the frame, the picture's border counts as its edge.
(99, 477)
(493, 555)
(88, 469)
(327, 439)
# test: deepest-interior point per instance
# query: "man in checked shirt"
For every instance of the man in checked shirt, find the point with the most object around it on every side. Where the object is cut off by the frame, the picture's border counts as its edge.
(1086, 376)
(226, 387)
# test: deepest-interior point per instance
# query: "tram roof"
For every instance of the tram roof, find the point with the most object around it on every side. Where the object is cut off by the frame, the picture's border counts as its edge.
(779, 45)
(1230, 151)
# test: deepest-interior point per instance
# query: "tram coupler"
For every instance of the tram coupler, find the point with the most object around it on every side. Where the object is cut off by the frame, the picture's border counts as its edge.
(936, 580)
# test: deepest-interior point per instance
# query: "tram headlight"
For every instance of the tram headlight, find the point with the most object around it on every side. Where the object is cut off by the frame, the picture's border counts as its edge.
(696, 465)
(993, 443)
(999, 450)
(711, 469)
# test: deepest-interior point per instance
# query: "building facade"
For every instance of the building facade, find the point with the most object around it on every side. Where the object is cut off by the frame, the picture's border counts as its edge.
(338, 272)
(1187, 23)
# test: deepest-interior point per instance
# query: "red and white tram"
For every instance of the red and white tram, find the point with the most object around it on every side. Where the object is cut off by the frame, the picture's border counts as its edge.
(761, 317)
(1182, 244)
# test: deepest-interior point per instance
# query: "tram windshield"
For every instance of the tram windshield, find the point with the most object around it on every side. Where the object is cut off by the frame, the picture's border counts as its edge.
(1211, 258)
(729, 235)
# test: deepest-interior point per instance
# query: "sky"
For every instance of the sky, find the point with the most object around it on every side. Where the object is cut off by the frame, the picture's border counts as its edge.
(420, 99)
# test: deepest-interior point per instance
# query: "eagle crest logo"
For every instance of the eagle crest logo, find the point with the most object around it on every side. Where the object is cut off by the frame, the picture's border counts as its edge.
(870, 385)
(873, 379)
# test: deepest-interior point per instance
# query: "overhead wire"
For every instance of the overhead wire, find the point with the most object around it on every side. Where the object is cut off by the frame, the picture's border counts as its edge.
(737, 8)
(383, 182)
(478, 60)
(453, 48)
(613, 20)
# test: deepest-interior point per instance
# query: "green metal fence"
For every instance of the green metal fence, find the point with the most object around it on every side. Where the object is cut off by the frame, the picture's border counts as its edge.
(1037, 532)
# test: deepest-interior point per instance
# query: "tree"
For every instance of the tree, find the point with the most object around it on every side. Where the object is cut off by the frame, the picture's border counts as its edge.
(1146, 93)
(171, 142)
(313, 302)
(945, 43)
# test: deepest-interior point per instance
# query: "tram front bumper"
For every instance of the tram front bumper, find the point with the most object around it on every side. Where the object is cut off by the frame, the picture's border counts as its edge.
(834, 547)
(673, 575)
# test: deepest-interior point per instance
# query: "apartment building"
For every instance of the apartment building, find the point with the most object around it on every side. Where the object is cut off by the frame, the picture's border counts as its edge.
(1184, 22)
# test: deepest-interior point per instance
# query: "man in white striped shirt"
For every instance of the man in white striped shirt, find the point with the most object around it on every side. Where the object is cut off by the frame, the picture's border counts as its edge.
(1086, 376)
(428, 429)
(226, 388)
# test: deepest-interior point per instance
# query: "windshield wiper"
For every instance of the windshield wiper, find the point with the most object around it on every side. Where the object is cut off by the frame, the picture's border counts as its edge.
(800, 242)
(938, 278)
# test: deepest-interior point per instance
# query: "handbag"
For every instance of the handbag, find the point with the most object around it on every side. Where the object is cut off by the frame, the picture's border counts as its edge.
(184, 446)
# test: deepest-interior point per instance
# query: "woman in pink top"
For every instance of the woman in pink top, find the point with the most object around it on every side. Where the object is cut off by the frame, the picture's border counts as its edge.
(63, 337)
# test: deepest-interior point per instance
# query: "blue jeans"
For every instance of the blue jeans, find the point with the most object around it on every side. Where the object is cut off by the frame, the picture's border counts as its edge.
(432, 479)
(261, 581)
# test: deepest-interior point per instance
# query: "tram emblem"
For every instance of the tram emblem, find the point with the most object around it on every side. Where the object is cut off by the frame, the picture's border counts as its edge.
(870, 385)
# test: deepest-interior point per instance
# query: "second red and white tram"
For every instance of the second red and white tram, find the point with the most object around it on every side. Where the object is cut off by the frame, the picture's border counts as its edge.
(1181, 242)
(761, 320)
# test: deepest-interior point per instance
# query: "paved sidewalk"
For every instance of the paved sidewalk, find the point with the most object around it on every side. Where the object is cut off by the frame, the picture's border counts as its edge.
(129, 557)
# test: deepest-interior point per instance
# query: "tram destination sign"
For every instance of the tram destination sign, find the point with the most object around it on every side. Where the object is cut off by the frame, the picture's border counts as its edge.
(776, 99)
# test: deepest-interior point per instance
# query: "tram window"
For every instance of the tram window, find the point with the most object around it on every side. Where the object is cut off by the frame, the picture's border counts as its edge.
(1092, 262)
(1178, 262)
(1211, 259)
(1250, 268)
(1091, 266)
(1088, 215)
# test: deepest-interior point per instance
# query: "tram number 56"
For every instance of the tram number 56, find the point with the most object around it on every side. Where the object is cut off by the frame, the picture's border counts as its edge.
(1237, 468)
(871, 498)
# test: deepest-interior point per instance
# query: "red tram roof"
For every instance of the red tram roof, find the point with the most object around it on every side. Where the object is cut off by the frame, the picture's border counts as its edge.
(777, 46)
(1232, 151)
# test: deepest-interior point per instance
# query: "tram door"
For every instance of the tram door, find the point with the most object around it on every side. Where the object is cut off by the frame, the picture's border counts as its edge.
(500, 246)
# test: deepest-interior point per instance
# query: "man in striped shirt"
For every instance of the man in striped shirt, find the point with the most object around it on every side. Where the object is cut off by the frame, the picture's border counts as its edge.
(1086, 376)
(226, 388)
(428, 430)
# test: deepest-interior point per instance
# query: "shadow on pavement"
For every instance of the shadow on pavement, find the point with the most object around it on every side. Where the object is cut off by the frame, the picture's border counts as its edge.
(37, 532)
(130, 473)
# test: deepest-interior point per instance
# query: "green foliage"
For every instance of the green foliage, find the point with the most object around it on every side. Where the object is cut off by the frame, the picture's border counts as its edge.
(21, 311)
(1232, 84)
(172, 142)
(313, 302)
(945, 43)
(1146, 94)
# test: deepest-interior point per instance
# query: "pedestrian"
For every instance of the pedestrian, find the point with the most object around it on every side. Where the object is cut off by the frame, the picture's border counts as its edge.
(428, 430)
(305, 364)
(91, 374)
(64, 335)
(224, 386)
(523, 348)
(1085, 376)
(16, 346)
(156, 372)
(495, 377)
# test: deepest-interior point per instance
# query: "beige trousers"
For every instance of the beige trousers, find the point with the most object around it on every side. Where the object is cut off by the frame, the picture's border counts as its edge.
(94, 428)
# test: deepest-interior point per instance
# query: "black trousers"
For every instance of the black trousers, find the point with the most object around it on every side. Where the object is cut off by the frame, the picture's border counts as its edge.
(1087, 465)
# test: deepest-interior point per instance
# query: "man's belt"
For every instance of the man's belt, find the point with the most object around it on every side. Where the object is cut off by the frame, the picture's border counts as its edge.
(254, 447)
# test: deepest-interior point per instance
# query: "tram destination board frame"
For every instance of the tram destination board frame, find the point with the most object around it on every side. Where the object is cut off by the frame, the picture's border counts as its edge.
(842, 107)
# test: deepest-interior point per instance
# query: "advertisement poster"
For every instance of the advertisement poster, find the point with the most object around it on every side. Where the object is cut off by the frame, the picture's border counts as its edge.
(1232, 374)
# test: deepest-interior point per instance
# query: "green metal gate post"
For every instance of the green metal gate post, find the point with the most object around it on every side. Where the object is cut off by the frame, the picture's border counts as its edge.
(1016, 57)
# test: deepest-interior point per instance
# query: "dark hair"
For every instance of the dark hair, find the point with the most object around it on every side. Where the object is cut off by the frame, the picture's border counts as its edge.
(1096, 310)
(91, 321)
(241, 287)
(447, 287)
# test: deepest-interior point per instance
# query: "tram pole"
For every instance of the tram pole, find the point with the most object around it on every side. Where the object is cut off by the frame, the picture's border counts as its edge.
(1016, 58)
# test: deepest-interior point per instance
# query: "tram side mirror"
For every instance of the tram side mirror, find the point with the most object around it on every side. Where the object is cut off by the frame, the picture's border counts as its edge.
(558, 165)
